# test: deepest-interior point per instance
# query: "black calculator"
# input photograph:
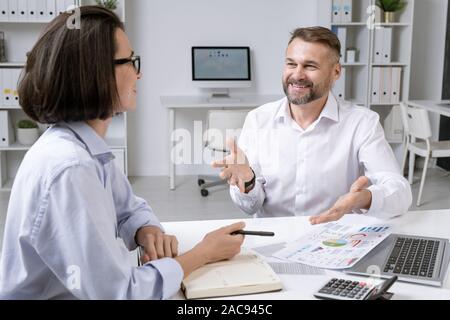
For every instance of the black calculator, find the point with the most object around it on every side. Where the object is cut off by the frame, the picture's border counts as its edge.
(342, 289)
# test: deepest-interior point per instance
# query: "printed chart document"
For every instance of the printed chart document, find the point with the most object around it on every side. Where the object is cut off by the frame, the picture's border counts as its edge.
(281, 266)
(246, 273)
(334, 245)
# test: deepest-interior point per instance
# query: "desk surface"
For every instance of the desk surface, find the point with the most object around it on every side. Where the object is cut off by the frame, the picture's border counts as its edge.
(237, 101)
(442, 107)
(426, 223)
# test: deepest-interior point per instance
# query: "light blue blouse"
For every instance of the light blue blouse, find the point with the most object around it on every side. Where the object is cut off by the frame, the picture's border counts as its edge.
(71, 221)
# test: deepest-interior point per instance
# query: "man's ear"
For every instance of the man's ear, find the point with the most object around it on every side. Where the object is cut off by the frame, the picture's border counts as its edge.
(337, 71)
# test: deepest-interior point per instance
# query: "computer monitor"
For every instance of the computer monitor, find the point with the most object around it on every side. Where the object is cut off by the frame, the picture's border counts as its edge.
(221, 68)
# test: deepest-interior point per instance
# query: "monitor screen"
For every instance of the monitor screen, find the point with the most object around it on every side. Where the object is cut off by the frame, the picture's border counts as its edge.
(221, 64)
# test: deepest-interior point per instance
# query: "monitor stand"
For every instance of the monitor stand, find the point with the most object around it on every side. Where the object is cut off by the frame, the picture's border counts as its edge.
(222, 95)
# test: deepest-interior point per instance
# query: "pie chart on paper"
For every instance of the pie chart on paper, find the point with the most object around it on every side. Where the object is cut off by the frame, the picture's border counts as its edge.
(334, 243)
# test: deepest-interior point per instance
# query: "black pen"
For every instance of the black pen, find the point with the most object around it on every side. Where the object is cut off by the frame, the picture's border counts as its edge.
(254, 233)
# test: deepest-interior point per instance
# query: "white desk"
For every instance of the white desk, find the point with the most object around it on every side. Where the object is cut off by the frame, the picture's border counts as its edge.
(426, 223)
(174, 103)
(432, 106)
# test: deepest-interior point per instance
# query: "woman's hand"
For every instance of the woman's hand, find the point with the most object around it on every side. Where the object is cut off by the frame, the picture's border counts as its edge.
(221, 244)
(216, 246)
(156, 244)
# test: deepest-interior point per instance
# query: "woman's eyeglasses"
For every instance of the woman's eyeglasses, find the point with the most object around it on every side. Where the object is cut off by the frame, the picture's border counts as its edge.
(136, 60)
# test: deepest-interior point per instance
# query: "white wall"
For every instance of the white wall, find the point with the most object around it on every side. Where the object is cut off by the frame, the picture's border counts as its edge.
(162, 32)
(430, 21)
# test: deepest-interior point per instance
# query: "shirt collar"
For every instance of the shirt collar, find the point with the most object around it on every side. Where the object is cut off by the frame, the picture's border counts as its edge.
(283, 111)
(96, 145)
(330, 110)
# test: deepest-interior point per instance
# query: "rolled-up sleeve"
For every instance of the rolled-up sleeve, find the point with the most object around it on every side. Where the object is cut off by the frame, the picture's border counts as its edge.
(391, 192)
(250, 202)
(92, 261)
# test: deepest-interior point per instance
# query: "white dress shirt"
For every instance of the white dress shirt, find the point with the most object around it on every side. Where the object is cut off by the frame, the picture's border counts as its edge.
(304, 172)
(72, 219)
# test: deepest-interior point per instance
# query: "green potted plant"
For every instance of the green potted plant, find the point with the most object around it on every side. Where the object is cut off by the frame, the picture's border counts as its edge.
(389, 8)
(108, 4)
(27, 132)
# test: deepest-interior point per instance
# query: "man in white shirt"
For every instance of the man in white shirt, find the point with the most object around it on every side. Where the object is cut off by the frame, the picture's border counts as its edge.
(308, 154)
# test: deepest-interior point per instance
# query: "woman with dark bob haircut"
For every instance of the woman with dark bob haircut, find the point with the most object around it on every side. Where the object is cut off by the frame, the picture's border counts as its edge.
(72, 217)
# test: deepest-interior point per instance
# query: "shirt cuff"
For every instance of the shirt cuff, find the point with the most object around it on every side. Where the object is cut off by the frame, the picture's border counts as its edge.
(252, 195)
(171, 274)
(377, 201)
(132, 225)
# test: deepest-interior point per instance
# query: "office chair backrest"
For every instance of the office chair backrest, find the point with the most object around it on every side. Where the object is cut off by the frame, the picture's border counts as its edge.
(223, 124)
(418, 123)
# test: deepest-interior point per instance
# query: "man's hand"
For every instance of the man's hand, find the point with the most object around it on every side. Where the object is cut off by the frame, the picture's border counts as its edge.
(235, 166)
(358, 198)
(156, 244)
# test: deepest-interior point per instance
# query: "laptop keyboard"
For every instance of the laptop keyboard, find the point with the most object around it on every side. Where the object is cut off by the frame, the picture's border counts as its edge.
(411, 256)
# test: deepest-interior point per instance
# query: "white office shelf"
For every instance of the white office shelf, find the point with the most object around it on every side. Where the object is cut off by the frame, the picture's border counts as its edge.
(357, 102)
(15, 147)
(390, 64)
(349, 24)
(357, 84)
(384, 104)
(393, 24)
(10, 107)
(7, 186)
(19, 41)
(25, 22)
(12, 64)
(353, 64)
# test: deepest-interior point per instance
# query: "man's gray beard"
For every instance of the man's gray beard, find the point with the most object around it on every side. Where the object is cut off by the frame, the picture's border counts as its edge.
(302, 100)
(310, 97)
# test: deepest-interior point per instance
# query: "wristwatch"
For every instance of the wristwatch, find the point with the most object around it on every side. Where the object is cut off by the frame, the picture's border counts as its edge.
(250, 183)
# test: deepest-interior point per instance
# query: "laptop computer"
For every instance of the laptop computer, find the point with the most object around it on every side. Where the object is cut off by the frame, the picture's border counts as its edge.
(416, 259)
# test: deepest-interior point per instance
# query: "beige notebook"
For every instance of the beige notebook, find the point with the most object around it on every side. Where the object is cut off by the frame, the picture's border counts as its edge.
(244, 274)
